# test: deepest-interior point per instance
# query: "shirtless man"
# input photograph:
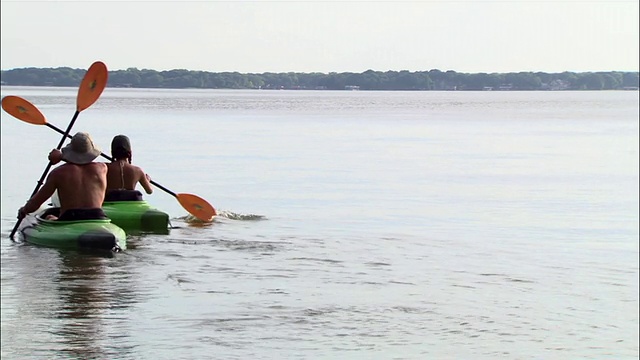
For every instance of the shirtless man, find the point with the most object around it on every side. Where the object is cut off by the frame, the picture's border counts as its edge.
(122, 175)
(81, 183)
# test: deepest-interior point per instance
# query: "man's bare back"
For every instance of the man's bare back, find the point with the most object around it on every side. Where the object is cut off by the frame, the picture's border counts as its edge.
(91, 178)
(81, 183)
(78, 186)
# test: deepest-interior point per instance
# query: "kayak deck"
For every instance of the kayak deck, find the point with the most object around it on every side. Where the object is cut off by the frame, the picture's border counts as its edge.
(99, 234)
(137, 216)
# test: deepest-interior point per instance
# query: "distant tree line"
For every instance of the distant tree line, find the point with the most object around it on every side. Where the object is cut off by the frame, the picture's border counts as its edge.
(368, 80)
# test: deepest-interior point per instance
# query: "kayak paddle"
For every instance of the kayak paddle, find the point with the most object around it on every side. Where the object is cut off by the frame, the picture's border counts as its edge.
(91, 87)
(23, 110)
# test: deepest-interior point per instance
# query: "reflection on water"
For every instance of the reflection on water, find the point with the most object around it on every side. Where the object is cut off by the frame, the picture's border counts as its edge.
(81, 289)
(71, 303)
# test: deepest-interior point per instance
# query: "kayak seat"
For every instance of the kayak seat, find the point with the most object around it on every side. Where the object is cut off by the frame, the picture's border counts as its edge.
(83, 214)
(123, 195)
(74, 214)
(55, 211)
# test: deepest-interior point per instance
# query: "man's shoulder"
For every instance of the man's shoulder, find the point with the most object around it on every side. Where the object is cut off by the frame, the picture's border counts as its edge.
(64, 167)
(72, 167)
(99, 165)
(63, 171)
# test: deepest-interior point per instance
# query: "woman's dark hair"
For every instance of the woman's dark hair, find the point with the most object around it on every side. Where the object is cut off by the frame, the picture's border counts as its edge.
(120, 153)
(121, 148)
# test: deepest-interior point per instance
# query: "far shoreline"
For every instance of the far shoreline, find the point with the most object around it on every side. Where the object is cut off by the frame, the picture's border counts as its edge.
(370, 80)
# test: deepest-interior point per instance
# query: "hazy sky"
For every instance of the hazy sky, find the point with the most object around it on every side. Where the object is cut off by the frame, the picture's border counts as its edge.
(323, 36)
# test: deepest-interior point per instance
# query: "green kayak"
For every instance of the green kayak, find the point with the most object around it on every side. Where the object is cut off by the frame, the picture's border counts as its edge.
(137, 216)
(78, 234)
(128, 210)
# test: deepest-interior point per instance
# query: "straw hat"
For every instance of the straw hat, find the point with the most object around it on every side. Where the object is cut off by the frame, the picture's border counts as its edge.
(81, 150)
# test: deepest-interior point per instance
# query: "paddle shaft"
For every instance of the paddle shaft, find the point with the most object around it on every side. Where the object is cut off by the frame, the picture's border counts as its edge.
(111, 159)
(46, 170)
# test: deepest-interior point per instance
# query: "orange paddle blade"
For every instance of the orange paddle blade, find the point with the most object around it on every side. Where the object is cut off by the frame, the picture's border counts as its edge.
(23, 110)
(94, 81)
(197, 206)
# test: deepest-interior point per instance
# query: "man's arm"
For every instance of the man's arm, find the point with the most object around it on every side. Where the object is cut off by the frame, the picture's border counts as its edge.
(40, 197)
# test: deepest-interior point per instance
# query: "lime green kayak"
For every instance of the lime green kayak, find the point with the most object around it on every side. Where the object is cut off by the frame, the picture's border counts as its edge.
(137, 216)
(78, 234)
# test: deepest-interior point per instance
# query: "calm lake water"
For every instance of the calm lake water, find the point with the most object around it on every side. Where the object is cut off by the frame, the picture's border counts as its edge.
(354, 225)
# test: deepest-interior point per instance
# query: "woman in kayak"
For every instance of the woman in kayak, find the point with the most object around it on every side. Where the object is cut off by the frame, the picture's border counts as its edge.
(122, 176)
(80, 183)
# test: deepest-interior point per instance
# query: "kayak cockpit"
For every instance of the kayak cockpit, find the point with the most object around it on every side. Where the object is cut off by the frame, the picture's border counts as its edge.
(98, 234)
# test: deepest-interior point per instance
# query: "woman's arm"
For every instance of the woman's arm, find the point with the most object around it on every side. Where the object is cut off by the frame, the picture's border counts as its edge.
(145, 181)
